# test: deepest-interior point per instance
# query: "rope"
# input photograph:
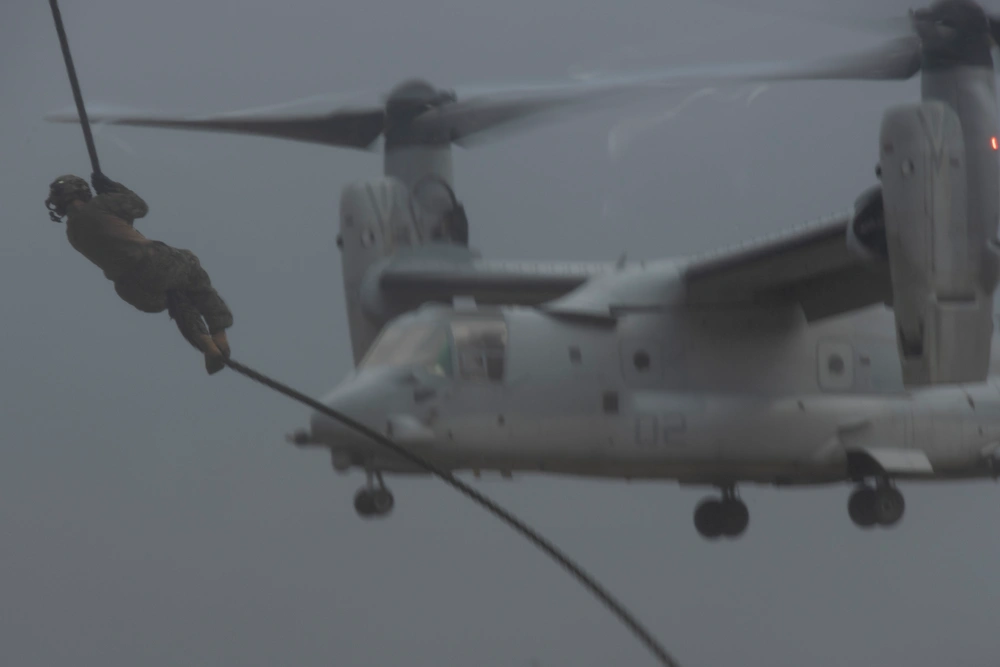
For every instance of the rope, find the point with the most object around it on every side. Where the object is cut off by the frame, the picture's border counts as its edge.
(77, 95)
(588, 581)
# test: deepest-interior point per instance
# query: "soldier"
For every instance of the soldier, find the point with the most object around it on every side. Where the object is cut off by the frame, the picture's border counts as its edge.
(149, 275)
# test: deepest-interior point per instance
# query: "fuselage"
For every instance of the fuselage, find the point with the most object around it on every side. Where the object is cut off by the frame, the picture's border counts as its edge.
(699, 395)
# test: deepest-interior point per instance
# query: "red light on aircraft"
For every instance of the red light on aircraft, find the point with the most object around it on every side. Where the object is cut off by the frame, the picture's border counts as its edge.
(993, 142)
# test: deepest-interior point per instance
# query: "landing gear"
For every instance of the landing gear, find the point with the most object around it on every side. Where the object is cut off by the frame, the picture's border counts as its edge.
(722, 517)
(373, 501)
(861, 507)
(880, 506)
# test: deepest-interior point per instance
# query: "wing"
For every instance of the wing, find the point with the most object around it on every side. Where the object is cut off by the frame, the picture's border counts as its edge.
(811, 265)
(415, 279)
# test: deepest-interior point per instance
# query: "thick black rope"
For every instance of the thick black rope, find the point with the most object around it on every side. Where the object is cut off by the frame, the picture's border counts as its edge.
(588, 581)
(77, 95)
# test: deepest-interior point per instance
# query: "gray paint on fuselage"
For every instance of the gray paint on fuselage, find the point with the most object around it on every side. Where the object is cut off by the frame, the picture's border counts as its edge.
(726, 401)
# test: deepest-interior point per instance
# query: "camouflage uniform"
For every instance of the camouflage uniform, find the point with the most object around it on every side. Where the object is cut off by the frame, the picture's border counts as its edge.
(149, 275)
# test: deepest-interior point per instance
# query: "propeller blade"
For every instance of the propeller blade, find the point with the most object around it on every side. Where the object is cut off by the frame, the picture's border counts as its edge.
(897, 59)
(885, 18)
(465, 121)
(346, 128)
(360, 128)
(474, 121)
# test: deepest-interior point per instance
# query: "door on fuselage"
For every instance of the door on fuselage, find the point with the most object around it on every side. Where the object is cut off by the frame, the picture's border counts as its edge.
(479, 396)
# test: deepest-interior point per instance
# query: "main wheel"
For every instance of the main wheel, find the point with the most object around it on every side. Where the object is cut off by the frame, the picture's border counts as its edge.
(889, 506)
(709, 518)
(364, 503)
(735, 517)
(861, 507)
(382, 501)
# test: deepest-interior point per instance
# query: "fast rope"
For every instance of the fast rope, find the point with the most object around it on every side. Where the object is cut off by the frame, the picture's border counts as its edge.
(77, 95)
(587, 580)
(535, 538)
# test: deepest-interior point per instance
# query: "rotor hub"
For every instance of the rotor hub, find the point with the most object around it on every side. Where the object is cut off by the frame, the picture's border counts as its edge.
(954, 32)
(414, 97)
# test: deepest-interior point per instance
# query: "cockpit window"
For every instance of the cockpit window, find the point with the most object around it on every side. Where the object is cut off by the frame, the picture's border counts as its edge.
(481, 344)
(422, 344)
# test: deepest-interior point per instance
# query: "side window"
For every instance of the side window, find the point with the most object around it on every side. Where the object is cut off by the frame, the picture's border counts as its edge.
(642, 361)
(481, 345)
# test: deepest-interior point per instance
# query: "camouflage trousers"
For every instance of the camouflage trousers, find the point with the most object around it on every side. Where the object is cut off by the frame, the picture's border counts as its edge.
(167, 278)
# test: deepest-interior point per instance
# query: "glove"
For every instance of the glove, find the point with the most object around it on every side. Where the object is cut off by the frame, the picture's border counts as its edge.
(102, 184)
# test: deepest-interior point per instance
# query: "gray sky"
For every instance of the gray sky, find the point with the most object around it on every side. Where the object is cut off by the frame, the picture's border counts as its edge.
(153, 515)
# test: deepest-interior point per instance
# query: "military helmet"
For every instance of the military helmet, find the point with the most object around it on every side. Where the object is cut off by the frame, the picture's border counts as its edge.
(62, 191)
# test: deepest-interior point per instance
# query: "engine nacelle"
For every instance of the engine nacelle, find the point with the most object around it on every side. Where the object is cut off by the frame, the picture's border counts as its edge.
(943, 308)
(377, 219)
(866, 229)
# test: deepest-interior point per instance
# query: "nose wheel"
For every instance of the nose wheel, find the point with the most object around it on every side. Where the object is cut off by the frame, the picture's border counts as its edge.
(373, 501)
(722, 517)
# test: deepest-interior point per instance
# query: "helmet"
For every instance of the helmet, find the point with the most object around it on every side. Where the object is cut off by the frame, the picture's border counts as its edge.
(64, 190)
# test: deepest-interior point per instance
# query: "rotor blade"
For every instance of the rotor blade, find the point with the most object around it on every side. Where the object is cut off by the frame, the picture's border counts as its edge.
(474, 121)
(864, 15)
(347, 128)
(359, 128)
(587, 87)
(463, 120)
(896, 59)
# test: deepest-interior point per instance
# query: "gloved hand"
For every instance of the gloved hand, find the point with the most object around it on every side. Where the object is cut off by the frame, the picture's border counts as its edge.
(102, 184)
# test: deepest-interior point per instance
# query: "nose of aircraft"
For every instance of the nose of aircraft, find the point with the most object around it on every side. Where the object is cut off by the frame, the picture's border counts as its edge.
(373, 398)
(358, 398)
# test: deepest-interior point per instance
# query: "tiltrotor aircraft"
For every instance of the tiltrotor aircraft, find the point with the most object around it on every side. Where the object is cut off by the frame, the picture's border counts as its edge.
(854, 349)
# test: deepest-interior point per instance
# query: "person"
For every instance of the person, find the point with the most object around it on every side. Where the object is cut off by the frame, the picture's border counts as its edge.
(148, 275)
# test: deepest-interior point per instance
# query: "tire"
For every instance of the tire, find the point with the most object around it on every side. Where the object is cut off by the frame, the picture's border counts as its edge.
(709, 518)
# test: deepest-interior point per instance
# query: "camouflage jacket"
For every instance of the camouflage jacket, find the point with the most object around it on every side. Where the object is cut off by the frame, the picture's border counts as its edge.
(101, 230)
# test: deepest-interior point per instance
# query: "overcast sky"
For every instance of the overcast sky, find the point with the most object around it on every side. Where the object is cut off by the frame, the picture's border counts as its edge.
(153, 515)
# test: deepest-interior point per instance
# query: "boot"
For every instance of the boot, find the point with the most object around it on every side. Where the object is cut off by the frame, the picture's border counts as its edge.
(192, 327)
(221, 342)
(215, 361)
